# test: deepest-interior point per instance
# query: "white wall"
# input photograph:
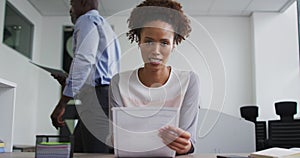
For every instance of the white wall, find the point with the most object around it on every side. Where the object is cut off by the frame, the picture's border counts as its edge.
(232, 38)
(37, 91)
(50, 55)
(276, 61)
(16, 68)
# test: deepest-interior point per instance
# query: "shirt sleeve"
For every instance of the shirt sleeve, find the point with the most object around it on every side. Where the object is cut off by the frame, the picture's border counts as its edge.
(114, 101)
(190, 107)
(114, 92)
(86, 43)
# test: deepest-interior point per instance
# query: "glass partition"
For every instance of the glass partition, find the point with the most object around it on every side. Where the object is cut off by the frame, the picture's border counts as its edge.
(18, 31)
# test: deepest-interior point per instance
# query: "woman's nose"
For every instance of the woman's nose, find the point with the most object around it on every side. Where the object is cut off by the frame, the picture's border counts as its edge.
(156, 48)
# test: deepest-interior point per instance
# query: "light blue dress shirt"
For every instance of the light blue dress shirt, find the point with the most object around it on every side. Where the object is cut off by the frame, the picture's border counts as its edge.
(96, 53)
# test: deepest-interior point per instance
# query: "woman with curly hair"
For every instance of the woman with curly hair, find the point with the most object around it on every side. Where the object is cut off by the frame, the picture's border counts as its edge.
(157, 26)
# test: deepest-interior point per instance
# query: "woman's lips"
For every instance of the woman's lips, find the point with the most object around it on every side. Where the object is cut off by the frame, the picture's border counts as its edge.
(155, 61)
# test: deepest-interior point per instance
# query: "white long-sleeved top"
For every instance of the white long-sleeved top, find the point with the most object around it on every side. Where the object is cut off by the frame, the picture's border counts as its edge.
(181, 90)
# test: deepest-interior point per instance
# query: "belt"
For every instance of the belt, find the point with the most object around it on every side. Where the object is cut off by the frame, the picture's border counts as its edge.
(103, 85)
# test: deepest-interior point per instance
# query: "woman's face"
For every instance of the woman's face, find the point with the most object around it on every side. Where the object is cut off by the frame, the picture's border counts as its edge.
(156, 43)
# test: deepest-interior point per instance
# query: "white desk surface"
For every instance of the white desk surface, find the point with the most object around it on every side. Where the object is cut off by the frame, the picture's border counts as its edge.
(83, 155)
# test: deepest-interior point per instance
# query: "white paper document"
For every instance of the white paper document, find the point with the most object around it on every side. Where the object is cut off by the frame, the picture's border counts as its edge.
(51, 70)
(135, 131)
(276, 152)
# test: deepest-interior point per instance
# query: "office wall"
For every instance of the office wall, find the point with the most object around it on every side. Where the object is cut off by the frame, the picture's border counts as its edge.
(276, 61)
(50, 55)
(16, 68)
(232, 38)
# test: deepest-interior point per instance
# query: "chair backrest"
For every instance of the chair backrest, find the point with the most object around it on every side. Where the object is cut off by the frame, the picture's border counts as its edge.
(286, 110)
(260, 135)
(284, 134)
(249, 113)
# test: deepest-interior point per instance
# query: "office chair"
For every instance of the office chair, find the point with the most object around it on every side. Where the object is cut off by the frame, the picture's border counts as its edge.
(285, 134)
(286, 110)
(261, 135)
(250, 113)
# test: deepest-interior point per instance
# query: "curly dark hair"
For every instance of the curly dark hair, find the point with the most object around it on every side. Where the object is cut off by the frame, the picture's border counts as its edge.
(168, 11)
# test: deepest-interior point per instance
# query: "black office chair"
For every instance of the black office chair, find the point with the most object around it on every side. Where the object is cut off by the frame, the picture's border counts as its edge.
(261, 135)
(285, 134)
(250, 113)
(286, 110)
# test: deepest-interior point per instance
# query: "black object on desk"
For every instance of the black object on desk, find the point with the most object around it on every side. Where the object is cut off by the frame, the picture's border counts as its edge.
(23, 148)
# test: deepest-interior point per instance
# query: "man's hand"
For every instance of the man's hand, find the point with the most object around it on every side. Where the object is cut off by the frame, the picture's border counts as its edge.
(56, 116)
(176, 139)
(58, 112)
(60, 78)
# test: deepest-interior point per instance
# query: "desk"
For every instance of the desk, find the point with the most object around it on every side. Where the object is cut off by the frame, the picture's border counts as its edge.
(81, 155)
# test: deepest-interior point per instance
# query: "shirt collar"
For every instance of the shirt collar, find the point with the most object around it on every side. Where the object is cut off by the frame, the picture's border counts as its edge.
(92, 12)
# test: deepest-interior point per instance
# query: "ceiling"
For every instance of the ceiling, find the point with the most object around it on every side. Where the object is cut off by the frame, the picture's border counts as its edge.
(191, 7)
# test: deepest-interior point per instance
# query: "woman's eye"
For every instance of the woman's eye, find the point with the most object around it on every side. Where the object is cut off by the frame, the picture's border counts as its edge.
(164, 43)
(149, 42)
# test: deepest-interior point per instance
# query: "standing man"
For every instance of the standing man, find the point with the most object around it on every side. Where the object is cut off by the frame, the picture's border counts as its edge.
(96, 59)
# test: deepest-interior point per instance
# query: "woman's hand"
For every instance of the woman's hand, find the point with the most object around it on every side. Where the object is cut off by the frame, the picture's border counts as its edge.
(176, 139)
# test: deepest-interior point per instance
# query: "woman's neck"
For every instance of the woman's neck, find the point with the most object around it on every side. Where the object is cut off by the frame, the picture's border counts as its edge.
(152, 78)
